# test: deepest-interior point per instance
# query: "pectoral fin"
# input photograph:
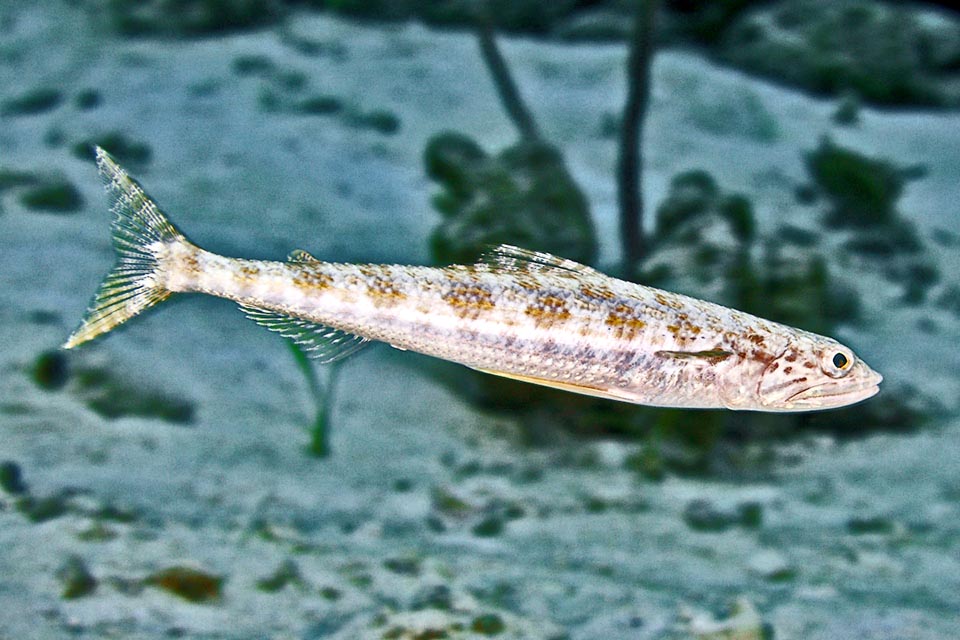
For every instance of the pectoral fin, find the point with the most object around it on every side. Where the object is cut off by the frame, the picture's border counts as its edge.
(714, 355)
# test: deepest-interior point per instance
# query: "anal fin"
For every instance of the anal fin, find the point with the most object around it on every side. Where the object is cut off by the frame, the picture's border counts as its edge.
(572, 387)
(320, 342)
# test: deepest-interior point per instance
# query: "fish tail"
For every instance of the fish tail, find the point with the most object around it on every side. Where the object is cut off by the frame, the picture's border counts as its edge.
(142, 236)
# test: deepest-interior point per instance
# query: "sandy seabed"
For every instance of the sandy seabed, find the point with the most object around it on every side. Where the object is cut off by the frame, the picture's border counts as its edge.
(428, 515)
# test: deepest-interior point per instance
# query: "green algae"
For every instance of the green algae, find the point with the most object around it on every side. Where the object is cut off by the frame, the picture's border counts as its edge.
(44, 508)
(647, 463)
(96, 533)
(322, 395)
(106, 393)
(52, 196)
(11, 478)
(76, 578)
(87, 99)
(862, 191)
(448, 503)
(379, 120)
(112, 397)
(489, 526)
(125, 149)
(33, 102)
(865, 525)
(253, 65)
(185, 18)
(319, 105)
(523, 196)
(287, 574)
(11, 178)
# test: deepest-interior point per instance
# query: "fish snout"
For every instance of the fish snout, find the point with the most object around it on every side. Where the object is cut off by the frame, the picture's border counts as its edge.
(861, 383)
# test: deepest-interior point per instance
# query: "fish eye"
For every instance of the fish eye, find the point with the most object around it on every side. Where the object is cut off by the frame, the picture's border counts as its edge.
(836, 362)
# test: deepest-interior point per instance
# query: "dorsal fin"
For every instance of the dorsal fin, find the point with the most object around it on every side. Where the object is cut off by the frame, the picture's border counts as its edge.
(301, 256)
(506, 257)
(319, 341)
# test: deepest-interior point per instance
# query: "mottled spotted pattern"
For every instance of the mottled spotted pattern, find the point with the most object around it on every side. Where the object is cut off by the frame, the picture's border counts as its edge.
(543, 322)
(517, 313)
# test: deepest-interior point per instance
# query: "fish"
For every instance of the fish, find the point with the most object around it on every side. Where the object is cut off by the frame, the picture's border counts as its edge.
(516, 313)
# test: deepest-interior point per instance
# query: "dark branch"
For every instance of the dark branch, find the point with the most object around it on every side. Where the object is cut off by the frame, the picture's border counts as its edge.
(506, 88)
(630, 165)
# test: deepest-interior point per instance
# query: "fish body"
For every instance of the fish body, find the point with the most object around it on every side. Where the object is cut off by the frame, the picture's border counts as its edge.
(516, 313)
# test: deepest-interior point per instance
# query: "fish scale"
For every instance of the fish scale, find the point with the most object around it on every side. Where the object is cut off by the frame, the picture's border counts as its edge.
(517, 313)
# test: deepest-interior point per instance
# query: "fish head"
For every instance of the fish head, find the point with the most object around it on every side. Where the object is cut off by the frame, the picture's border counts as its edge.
(815, 373)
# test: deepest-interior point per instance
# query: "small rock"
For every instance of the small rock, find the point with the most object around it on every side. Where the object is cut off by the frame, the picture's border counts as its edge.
(432, 597)
(76, 578)
(87, 99)
(743, 623)
(379, 120)
(97, 532)
(489, 526)
(126, 586)
(190, 584)
(702, 515)
(50, 370)
(253, 65)
(750, 514)
(772, 565)
(848, 110)
(319, 105)
(330, 593)
(870, 524)
(403, 566)
(488, 624)
(403, 485)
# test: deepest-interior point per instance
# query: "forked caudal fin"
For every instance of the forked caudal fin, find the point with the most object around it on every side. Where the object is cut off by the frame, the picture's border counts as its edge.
(140, 232)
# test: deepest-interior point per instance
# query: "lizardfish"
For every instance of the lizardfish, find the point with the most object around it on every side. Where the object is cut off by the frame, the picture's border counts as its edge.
(521, 314)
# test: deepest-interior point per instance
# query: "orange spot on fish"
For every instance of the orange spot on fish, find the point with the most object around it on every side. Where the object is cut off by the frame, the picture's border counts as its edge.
(309, 280)
(596, 292)
(384, 291)
(469, 300)
(624, 322)
(548, 310)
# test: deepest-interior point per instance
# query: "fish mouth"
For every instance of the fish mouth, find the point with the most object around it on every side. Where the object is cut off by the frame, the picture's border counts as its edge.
(836, 393)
